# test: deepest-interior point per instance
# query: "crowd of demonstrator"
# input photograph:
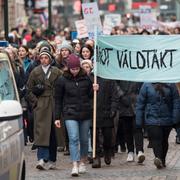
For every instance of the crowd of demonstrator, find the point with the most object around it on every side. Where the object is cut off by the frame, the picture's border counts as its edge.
(55, 78)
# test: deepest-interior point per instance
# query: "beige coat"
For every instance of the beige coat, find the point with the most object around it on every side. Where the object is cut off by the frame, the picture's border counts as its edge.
(43, 106)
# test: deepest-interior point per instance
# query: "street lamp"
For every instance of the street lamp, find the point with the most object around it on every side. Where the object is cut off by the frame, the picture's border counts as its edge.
(6, 20)
(49, 15)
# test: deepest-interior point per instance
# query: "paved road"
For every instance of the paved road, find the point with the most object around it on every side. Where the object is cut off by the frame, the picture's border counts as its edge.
(118, 170)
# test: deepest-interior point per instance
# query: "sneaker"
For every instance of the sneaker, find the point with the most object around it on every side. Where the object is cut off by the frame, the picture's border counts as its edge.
(130, 157)
(158, 163)
(141, 157)
(51, 165)
(82, 168)
(41, 165)
(75, 171)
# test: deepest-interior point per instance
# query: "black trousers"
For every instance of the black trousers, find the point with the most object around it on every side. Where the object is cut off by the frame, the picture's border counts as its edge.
(158, 136)
(139, 140)
(128, 128)
(120, 139)
(103, 140)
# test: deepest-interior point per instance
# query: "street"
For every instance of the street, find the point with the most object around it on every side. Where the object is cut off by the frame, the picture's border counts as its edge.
(118, 170)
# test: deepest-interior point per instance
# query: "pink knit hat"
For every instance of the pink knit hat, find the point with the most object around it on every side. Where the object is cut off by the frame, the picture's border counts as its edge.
(73, 61)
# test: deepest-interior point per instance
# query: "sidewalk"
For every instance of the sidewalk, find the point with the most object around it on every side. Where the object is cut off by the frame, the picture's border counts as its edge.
(118, 170)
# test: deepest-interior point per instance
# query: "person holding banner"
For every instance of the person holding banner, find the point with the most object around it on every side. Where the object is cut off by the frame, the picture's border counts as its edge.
(73, 94)
(107, 101)
(158, 107)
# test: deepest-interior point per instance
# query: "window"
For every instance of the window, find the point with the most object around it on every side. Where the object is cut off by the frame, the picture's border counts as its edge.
(7, 90)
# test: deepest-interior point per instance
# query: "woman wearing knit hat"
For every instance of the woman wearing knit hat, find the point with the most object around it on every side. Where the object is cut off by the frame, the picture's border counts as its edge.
(40, 95)
(64, 50)
(87, 65)
(73, 94)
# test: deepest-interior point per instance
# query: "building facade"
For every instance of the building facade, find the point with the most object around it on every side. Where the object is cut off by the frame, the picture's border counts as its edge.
(15, 12)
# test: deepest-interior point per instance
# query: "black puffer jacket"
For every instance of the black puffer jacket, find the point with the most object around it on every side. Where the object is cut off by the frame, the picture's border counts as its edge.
(73, 97)
(127, 93)
(107, 101)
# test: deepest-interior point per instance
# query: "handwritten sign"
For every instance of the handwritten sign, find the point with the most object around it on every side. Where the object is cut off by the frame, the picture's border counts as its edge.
(92, 18)
(147, 18)
(139, 58)
(81, 28)
(110, 21)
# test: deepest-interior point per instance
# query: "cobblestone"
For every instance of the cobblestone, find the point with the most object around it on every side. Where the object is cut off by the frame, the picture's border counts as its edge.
(118, 170)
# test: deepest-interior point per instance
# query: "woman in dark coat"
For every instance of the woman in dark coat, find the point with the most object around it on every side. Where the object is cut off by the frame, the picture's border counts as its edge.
(43, 107)
(73, 95)
(107, 101)
(158, 108)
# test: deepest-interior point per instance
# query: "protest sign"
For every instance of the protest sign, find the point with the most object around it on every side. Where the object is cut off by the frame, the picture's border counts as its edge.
(110, 21)
(139, 58)
(92, 18)
(81, 28)
(39, 4)
(147, 18)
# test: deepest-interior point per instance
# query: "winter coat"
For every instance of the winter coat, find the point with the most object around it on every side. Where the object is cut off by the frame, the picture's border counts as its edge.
(19, 75)
(43, 106)
(127, 93)
(107, 102)
(73, 97)
(27, 64)
(155, 109)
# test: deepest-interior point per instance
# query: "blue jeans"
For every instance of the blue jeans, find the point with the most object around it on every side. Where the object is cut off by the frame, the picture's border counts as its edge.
(48, 153)
(43, 153)
(78, 135)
